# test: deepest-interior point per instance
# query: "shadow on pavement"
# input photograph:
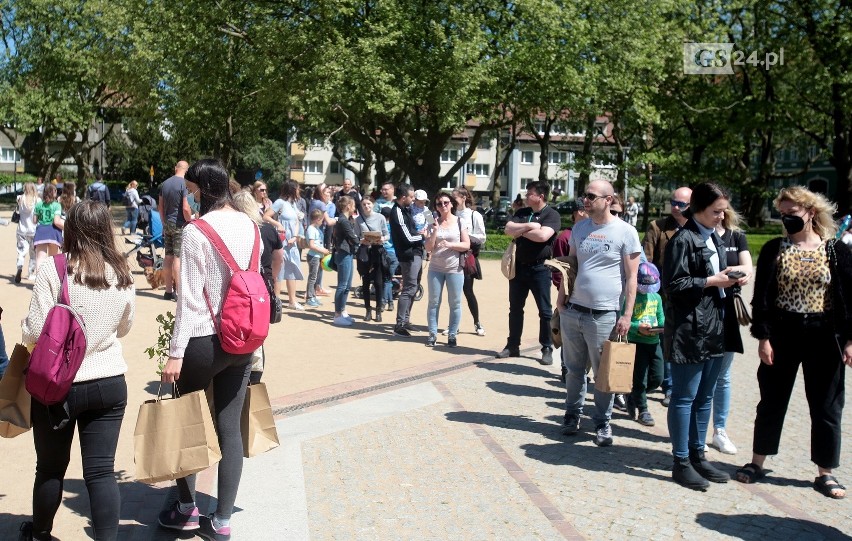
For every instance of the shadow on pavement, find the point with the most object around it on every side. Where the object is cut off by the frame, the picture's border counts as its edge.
(523, 390)
(517, 369)
(616, 459)
(760, 527)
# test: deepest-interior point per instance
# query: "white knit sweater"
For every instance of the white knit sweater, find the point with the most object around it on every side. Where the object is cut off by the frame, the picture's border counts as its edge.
(201, 269)
(108, 315)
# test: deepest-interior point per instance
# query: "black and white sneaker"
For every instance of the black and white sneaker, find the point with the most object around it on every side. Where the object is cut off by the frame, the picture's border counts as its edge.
(603, 435)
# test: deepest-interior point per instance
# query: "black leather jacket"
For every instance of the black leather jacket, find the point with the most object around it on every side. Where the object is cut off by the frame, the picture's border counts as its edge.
(694, 311)
(766, 289)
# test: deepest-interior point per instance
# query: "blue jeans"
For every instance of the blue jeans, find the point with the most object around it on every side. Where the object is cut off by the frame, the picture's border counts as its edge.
(387, 296)
(689, 411)
(583, 336)
(722, 396)
(528, 279)
(344, 280)
(132, 217)
(455, 282)
(4, 357)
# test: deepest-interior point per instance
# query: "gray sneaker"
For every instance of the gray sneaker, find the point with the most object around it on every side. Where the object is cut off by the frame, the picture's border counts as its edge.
(603, 435)
(571, 424)
(546, 356)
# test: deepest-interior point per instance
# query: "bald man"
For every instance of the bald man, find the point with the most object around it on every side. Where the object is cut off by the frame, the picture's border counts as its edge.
(658, 235)
(607, 251)
(175, 213)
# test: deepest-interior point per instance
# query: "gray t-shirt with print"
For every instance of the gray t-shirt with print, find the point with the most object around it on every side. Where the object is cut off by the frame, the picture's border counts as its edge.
(600, 253)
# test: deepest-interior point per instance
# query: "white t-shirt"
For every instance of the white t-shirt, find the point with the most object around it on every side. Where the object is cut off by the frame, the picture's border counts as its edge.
(600, 253)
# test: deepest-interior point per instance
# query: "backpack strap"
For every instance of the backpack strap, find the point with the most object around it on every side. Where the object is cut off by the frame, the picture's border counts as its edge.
(61, 263)
(224, 253)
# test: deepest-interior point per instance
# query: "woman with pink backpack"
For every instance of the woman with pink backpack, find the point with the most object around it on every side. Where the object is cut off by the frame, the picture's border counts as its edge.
(100, 288)
(197, 355)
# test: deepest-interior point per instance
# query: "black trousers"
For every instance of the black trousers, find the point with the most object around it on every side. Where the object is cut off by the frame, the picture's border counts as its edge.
(535, 280)
(96, 408)
(819, 353)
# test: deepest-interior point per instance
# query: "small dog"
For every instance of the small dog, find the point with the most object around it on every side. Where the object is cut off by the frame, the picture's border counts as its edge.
(155, 277)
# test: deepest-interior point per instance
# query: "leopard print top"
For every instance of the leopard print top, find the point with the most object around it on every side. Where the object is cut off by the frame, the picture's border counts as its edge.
(804, 279)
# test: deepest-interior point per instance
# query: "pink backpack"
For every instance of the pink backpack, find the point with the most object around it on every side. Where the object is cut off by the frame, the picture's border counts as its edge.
(60, 348)
(243, 322)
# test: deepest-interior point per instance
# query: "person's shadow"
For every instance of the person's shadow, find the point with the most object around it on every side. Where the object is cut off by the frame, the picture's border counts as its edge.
(759, 527)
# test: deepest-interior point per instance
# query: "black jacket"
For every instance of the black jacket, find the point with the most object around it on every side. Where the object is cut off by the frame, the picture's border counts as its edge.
(406, 241)
(346, 237)
(695, 312)
(766, 289)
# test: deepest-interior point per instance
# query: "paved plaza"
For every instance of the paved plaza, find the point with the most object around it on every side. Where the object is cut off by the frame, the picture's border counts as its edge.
(383, 438)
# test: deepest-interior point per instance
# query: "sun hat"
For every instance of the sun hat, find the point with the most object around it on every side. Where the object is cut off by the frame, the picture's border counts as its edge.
(420, 195)
(649, 278)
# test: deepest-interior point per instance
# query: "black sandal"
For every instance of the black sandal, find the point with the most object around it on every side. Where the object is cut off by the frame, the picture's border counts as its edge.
(750, 473)
(825, 484)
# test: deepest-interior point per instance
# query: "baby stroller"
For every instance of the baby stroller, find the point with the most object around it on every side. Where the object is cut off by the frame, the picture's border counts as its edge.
(145, 246)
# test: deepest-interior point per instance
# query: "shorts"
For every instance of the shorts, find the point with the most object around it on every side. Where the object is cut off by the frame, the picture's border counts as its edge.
(172, 236)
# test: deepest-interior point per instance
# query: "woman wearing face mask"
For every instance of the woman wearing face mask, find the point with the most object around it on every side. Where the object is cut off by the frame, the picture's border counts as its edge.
(801, 315)
(695, 277)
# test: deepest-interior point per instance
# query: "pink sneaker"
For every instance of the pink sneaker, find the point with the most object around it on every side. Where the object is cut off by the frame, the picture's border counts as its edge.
(207, 531)
(173, 519)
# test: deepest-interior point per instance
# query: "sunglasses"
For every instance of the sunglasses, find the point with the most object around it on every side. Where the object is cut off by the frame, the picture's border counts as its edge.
(679, 204)
(591, 197)
(443, 203)
(615, 213)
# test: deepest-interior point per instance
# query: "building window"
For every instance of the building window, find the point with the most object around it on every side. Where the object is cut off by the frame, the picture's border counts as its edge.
(312, 166)
(450, 156)
(478, 169)
(526, 182)
(558, 157)
(335, 168)
(9, 155)
(527, 157)
(484, 144)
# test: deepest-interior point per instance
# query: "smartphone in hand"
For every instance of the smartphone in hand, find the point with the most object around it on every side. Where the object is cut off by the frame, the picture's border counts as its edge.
(655, 330)
(736, 275)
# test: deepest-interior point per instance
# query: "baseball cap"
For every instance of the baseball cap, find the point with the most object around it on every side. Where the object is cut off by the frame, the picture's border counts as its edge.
(420, 195)
(649, 278)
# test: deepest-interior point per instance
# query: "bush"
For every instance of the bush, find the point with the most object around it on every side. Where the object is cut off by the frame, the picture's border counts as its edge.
(20, 178)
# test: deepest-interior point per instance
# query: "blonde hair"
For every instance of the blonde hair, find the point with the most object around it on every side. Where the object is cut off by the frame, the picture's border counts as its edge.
(731, 219)
(30, 195)
(132, 185)
(823, 221)
(244, 201)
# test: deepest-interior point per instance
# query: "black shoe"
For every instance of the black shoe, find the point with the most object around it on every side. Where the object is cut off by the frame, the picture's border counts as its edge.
(430, 342)
(667, 399)
(451, 341)
(619, 403)
(169, 296)
(546, 356)
(400, 330)
(378, 318)
(18, 275)
(570, 424)
(705, 469)
(409, 327)
(509, 352)
(563, 375)
(368, 316)
(683, 473)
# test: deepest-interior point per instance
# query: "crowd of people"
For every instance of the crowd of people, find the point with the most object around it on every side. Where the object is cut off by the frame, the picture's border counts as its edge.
(674, 295)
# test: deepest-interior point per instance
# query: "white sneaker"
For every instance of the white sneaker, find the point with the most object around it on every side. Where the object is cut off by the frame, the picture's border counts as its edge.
(722, 442)
(347, 316)
(445, 332)
(341, 321)
(297, 306)
(479, 330)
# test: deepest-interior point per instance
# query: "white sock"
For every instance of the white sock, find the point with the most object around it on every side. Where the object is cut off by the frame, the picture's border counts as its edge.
(186, 508)
(219, 523)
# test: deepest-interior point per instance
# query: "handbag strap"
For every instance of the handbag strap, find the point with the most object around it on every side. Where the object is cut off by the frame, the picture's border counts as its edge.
(61, 263)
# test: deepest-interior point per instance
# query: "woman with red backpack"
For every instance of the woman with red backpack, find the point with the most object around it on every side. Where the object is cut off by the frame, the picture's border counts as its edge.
(100, 288)
(197, 356)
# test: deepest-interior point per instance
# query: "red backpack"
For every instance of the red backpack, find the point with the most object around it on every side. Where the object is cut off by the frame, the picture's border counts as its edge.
(243, 322)
(60, 348)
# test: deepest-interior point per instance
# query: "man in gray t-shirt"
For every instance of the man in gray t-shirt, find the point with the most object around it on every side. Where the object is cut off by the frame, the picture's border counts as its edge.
(174, 212)
(607, 251)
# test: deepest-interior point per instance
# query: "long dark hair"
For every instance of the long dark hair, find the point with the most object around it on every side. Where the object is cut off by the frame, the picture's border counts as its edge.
(90, 245)
(213, 181)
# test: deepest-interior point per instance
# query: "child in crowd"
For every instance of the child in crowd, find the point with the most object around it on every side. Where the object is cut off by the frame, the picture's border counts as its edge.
(316, 251)
(646, 324)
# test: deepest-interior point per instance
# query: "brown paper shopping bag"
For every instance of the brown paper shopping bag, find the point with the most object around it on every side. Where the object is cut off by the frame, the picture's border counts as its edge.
(256, 423)
(174, 438)
(615, 372)
(14, 398)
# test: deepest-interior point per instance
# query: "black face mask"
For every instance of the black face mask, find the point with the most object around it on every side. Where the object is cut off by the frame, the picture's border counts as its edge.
(793, 224)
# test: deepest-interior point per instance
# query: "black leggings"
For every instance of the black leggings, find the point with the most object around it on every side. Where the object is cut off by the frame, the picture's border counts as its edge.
(204, 362)
(472, 303)
(96, 408)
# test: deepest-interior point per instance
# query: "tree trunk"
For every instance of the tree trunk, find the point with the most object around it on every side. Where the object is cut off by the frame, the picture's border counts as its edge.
(586, 158)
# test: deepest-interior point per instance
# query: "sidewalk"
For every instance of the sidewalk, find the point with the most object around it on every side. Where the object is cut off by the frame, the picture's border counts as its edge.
(383, 438)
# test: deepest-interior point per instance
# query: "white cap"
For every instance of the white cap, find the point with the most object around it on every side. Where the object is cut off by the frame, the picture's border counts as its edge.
(420, 195)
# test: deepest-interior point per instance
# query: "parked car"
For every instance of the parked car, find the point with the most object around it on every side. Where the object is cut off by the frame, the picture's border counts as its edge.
(498, 215)
(566, 207)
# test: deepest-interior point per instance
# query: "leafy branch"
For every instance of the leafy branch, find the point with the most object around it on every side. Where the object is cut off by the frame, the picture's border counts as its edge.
(160, 351)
